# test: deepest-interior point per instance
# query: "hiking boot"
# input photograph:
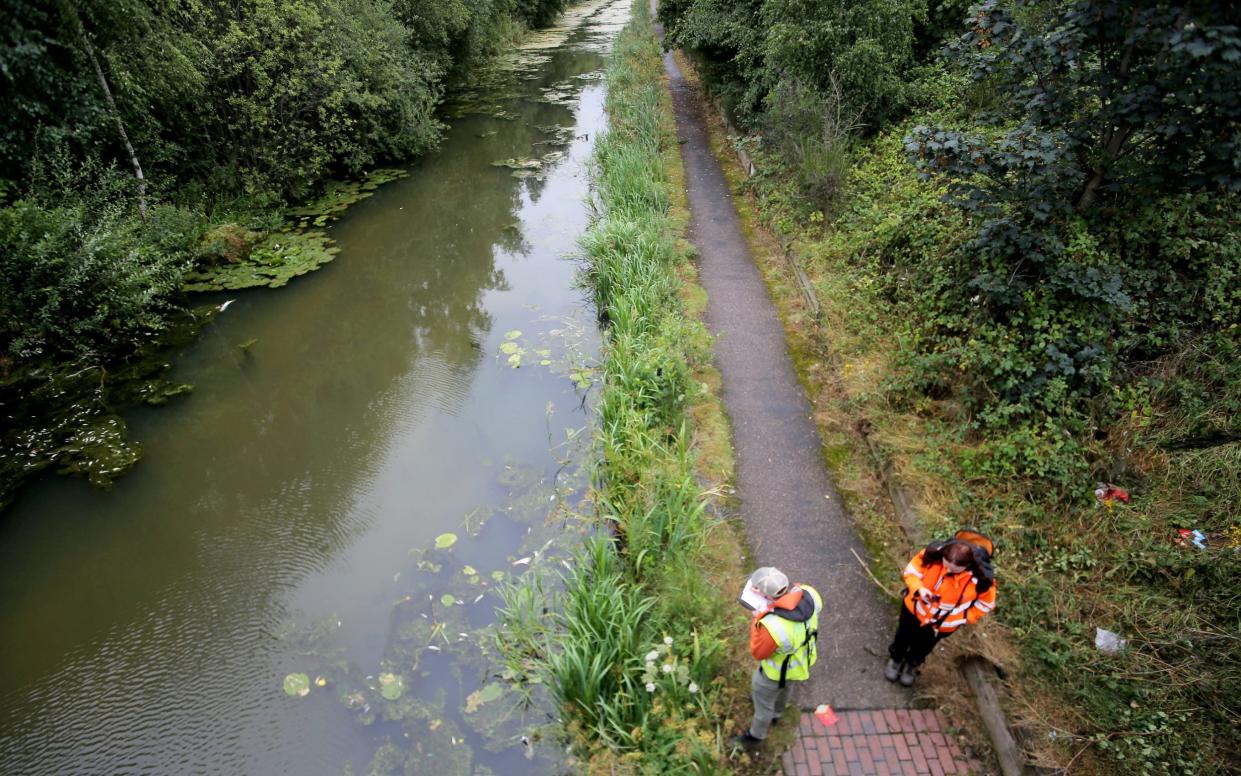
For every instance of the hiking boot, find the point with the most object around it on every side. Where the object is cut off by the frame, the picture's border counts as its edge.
(892, 670)
(746, 742)
(908, 674)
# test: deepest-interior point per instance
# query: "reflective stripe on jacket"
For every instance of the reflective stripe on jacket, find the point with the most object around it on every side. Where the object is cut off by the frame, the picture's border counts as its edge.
(796, 649)
(959, 601)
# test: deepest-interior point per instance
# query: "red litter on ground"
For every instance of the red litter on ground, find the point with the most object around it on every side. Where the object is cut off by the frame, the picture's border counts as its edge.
(825, 715)
(1110, 494)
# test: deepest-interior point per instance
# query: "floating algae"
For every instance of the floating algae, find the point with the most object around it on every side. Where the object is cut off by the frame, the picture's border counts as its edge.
(338, 196)
(558, 136)
(283, 255)
(519, 164)
(273, 263)
(523, 168)
(67, 415)
(564, 94)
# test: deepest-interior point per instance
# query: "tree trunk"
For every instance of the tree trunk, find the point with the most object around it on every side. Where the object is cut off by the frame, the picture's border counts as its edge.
(116, 114)
(1090, 190)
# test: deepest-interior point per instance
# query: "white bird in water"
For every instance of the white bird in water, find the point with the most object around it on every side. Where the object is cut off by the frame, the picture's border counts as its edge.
(224, 306)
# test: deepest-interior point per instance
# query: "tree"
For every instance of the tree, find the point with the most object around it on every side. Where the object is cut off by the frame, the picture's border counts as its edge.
(1120, 96)
(1104, 105)
(84, 39)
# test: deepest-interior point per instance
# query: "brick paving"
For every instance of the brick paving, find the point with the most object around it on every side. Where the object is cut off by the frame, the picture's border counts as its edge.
(884, 742)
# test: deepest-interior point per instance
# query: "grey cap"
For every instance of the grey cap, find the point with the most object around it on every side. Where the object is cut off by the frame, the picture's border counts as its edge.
(770, 581)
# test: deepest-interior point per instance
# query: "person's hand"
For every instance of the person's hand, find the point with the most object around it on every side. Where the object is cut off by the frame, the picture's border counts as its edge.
(927, 596)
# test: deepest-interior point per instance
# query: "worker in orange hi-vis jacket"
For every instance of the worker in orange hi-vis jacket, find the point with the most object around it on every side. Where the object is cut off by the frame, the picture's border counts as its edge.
(949, 584)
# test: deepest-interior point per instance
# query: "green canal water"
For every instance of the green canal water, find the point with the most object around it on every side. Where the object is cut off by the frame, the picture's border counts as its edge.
(430, 386)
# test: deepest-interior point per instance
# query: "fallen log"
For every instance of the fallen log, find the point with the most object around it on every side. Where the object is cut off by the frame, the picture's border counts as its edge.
(1007, 753)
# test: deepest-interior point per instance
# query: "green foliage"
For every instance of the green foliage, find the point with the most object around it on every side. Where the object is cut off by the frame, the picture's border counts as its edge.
(80, 276)
(866, 49)
(811, 133)
(299, 90)
(1080, 258)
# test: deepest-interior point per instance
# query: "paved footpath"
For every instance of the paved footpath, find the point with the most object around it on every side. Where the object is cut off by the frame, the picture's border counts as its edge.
(791, 511)
(886, 742)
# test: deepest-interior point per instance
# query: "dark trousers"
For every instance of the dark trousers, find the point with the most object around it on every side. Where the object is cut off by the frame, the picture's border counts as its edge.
(913, 640)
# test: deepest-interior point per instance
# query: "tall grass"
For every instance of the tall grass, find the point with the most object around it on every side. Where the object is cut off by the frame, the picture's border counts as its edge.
(634, 640)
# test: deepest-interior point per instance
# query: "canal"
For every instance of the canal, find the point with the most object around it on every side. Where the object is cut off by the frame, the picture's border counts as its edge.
(301, 576)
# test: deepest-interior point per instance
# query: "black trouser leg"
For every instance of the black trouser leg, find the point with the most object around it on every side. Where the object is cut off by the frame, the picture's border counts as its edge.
(913, 640)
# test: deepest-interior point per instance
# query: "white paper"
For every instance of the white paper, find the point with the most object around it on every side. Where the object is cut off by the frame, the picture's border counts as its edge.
(752, 599)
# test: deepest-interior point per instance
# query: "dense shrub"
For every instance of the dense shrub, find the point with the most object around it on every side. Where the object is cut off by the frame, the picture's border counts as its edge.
(84, 279)
(297, 89)
(864, 47)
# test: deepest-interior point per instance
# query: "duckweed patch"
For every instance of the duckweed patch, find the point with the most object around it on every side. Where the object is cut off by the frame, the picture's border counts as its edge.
(557, 136)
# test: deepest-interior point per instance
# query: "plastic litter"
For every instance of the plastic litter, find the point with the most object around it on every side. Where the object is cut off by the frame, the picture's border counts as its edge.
(1109, 495)
(1188, 536)
(1109, 641)
(826, 715)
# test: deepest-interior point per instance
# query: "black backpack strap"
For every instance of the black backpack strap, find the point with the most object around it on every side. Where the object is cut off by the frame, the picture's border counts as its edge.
(811, 642)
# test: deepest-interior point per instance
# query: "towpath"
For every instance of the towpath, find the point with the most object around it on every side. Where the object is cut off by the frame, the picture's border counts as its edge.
(791, 511)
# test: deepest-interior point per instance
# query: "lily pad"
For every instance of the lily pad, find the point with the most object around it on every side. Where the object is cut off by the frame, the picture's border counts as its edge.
(445, 540)
(297, 685)
(273, 263)
(489, 692)
(448, 599)
(391, 686)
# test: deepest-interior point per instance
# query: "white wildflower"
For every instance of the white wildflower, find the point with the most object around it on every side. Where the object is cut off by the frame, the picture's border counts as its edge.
(668, 640)
(693, 687)
(650, 687)
(667, 668)
(652, 656)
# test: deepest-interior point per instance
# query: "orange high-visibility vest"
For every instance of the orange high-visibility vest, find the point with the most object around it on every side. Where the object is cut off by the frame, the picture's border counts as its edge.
(959, 600)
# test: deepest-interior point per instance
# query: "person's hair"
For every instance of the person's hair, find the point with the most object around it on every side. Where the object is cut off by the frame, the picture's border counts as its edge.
(959, 554)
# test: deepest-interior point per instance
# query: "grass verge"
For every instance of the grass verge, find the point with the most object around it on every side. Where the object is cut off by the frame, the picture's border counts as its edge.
(636, 651)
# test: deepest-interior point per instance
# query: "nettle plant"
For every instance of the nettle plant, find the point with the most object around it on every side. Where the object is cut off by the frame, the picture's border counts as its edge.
(1097, 107)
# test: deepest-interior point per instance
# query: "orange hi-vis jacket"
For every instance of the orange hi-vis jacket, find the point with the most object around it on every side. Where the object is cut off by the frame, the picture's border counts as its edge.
(959, 601)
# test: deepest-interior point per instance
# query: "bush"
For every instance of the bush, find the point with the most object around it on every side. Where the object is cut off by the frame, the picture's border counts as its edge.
(88, 279)
(812, 134)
